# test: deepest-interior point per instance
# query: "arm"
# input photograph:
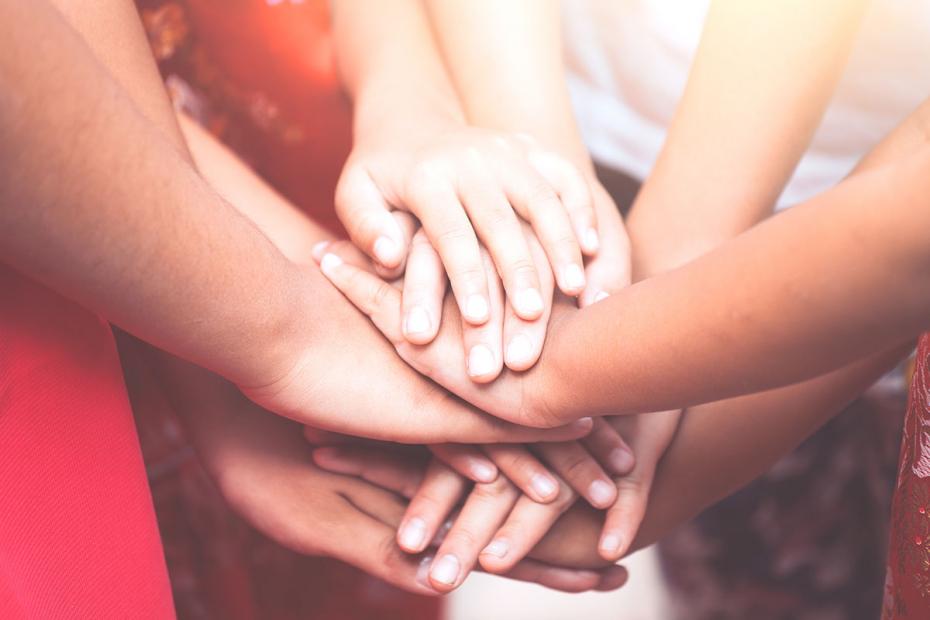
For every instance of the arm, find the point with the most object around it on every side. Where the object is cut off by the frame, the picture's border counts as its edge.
(720, 447)
(760, 82)
(180, 268)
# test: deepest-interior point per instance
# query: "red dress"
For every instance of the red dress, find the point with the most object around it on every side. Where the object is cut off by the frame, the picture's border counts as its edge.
(907, 585)
(78, 537)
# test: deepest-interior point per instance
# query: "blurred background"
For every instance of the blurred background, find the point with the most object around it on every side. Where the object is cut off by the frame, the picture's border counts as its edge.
(806, 541)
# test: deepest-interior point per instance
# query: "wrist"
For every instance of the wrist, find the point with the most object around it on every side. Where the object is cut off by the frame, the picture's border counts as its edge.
(378, 109)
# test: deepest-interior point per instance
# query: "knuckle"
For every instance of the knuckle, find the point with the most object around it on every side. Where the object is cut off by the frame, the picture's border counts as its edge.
(387, 553)
(462, 537)
(577, 466)
(380, 294)
(523, 266)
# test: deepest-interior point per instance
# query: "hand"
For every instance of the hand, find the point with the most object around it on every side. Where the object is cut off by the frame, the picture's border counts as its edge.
(524, 398)
(496, 521)
(349, 380)
(467, 184)
(506, 338)
(263, 469)
(436, 491)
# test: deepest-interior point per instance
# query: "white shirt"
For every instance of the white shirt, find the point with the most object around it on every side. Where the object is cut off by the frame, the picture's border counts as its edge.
(627, 62)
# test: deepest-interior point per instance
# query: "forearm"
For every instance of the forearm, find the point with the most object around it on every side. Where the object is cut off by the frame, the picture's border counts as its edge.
(718, 448)
(722, 446)
(801, 294)
(390, 64)
(760, 82)
(102, 207)
(288, 228)
(515, 79)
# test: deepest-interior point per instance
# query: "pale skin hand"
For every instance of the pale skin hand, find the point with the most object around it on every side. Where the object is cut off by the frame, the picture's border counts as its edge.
(468, 187)
(723, 445)
(703, 352)
(760, 82)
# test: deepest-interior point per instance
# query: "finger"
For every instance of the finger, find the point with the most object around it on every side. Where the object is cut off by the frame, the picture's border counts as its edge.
(623, 518)
(366, 216)
(609, 448)
(574, 193)
(483, 343)
(525, 527)
(374, 551)
(609, 271)
(552, 226)
(435, 499)
(651, 434)
(501, 232)
(569, 579)
(485, 509)
(344, 250)
(519, 465)
(424, 289)
(400, 474)
(612, 578)
(408, 226)
(467, 460)
(580, 469)
(523, 340)
(376, 298)
(443, 217)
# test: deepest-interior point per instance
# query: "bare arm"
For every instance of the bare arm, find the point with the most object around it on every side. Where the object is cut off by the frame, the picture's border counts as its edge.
(174, 264)
(760, 82)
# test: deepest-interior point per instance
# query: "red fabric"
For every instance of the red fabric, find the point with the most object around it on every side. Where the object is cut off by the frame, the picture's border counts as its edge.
(907, 585)
(78, 537)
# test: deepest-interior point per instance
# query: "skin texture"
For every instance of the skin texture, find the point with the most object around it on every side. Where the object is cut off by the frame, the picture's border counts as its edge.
(182, 268)
(469, 187)
(718, 447)
(758, 86)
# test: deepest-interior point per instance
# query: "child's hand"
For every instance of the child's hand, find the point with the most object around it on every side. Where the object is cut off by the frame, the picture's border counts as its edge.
(262, 467)
(496, 525)
(523, 398)
(470, 187)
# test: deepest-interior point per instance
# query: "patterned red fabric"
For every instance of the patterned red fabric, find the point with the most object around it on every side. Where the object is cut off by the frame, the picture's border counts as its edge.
(78, 537)
(907, 585)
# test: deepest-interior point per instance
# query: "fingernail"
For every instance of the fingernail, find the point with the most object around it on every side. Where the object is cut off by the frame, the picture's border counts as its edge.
(476, 308)
(385, 250)
(413, 534)
(621, 461)
(520, 349)
(610, 543)
(480, 361)
(573, 278)
(601, 295)
(591, 240)
(417, 321)
(483, 472)
(529, 301)
(497, 547)
(317, 250)
(423, 572)
(582, 424)
(601, 493)
(445, 570)
(329, 262)
(543, 485)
